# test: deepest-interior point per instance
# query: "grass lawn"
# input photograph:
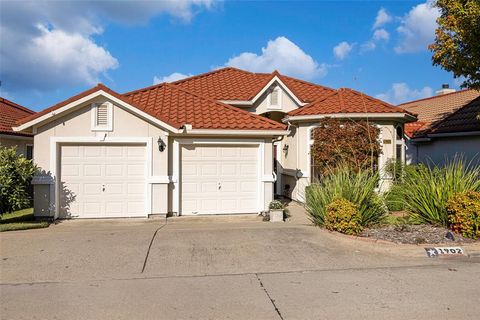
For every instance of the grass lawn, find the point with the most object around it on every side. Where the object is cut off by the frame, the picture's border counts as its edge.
(21, 220)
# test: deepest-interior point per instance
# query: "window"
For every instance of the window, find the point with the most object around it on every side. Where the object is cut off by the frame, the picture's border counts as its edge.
(29, 154)
(102, 116)
(399, 144)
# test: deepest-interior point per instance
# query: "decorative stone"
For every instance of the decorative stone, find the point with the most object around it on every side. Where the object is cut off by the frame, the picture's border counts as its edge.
(276, 215)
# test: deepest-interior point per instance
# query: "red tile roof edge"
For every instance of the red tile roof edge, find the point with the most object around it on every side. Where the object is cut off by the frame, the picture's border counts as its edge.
(16, 105)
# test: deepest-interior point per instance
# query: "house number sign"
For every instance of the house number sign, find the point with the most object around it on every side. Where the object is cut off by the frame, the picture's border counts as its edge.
(444, 251)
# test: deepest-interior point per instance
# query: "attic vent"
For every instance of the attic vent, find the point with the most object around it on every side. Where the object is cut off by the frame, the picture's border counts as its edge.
(102, 115)
(274, 97)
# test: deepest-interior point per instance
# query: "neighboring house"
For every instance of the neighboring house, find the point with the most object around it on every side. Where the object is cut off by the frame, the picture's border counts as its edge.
(208, 144)
(448, 125)
(10, 113)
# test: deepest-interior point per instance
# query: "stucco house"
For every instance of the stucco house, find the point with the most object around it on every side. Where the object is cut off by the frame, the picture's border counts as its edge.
(448, 125)
(222, 142)
(10, 113)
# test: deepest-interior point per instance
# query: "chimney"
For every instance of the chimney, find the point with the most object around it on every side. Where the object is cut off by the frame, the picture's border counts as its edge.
(445, 89)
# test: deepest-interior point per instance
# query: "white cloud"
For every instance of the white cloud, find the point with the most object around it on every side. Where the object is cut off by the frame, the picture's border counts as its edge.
(170, 78)
(382, 18)
(280, 54)
(417, 29)
(52, 43)
(368, 46)
(381, 34)
(342, 50)
(401, 92)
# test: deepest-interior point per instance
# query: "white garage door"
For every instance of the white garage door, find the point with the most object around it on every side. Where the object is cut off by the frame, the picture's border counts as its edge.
(102, 181)
(219, 179)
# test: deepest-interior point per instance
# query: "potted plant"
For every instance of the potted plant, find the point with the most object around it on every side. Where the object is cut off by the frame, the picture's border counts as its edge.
(276, 211)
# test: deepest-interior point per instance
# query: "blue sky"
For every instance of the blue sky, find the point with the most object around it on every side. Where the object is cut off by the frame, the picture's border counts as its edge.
(52, 50)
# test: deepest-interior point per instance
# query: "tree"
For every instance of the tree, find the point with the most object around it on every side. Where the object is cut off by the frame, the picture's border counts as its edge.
(457, 45)
(345, 142)
(16, 173)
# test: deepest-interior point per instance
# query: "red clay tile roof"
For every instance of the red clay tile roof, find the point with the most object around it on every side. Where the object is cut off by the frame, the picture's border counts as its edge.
(10, 113)
(176, 107)
(447, 113)
(179, 106)
(235, 84)
(346, 100)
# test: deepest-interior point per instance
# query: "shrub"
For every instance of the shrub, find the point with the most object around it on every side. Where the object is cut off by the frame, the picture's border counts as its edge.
(395, 198)
(356, 187)
(15, 175)
(343, 216)
(464, 214)
(276, 205)
(337, 141)
(427, 189)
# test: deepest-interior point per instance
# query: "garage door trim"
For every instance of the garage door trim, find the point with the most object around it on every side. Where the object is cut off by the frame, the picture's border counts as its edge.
(178, 143)
(55, 154)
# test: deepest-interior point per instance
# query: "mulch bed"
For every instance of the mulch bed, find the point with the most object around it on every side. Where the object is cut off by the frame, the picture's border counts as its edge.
(413, 234)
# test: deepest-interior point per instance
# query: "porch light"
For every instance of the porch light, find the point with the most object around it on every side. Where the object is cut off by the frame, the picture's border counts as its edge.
(161, 144)
(285, 148)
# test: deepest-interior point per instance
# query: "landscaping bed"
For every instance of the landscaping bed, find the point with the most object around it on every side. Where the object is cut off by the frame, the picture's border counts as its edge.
(413, 234)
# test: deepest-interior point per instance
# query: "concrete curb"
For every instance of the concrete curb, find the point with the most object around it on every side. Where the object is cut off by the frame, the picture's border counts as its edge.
(416, 250)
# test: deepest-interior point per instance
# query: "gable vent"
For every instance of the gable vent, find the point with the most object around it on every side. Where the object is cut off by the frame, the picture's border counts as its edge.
(102, 115)
(274, 97)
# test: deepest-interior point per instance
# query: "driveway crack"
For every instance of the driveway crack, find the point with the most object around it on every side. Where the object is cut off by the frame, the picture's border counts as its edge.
(269, 297)
(150, 245)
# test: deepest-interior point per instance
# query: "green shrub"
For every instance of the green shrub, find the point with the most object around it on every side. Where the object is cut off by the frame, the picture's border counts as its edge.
(395, 198)
(356, 187)
(15, 175)
(343, 216)
(276, 205)
(427, 189)
(464, 214)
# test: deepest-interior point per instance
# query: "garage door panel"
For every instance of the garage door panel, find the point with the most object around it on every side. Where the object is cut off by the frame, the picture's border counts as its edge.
(205, 168)
(106, 181)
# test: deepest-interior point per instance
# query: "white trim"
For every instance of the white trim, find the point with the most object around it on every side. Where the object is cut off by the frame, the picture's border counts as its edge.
(237, 132)
(94, 115)
(159, 180)
(278, 178)
(393, 115)
(262, 91)
(55, 144)
(179, 142)
(85, 99)
(268, 178)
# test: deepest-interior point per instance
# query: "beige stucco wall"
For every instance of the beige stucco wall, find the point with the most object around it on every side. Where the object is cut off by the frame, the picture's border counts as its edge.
(16, 141)
(78, 124)
(296, 163)
(440, 150)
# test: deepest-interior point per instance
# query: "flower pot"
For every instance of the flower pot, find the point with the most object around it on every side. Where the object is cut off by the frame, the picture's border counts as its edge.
(276, 215)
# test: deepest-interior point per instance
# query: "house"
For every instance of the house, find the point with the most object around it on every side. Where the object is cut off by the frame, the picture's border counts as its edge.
(222, 142)
(10, 113)
(448, 125)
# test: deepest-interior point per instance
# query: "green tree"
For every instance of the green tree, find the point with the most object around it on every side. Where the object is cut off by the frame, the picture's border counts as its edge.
(16, 173)
(457, 44)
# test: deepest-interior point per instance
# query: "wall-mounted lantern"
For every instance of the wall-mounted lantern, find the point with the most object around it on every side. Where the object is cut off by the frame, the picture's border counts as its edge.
(285, 148)
(161, 144)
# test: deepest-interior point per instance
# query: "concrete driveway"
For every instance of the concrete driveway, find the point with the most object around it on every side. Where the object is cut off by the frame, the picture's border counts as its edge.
(224, 268)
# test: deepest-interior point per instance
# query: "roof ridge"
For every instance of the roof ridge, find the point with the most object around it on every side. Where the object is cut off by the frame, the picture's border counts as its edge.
(438, 96)
(201, 75)
(252, 115)
(154, 86)
(16, 105)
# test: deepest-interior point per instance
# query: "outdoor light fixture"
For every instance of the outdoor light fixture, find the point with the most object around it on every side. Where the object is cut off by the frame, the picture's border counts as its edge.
(285, 148)
(161, 144)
